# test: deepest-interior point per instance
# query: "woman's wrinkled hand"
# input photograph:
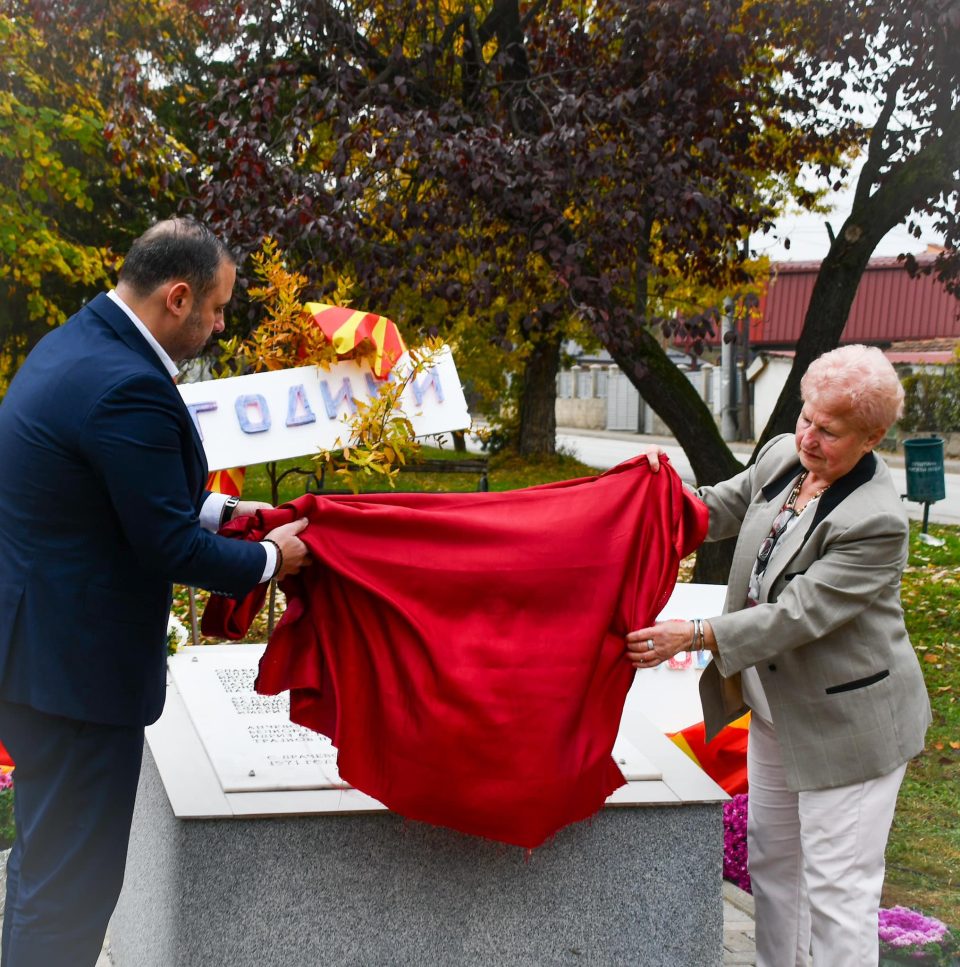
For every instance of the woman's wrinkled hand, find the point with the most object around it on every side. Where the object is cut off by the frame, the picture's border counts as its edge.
(650, 647)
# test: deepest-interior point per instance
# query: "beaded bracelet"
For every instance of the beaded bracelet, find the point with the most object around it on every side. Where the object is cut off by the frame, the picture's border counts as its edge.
(279, 566)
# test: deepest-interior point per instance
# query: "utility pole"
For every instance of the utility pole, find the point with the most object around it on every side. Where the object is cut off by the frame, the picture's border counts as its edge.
(728, 366)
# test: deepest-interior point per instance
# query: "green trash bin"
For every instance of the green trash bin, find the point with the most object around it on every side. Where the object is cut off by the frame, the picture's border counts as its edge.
(924, 464)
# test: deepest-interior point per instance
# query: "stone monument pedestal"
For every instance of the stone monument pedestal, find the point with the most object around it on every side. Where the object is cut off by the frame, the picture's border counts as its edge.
(297, 877)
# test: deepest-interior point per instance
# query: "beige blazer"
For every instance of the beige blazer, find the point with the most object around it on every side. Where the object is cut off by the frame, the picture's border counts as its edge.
(846, 692)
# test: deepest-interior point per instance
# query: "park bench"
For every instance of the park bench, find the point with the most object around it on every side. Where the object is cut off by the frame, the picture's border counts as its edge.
(465, 465)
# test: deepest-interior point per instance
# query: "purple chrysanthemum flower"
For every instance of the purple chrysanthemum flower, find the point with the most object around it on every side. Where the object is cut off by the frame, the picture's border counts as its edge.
(735, 842)
(901, 927)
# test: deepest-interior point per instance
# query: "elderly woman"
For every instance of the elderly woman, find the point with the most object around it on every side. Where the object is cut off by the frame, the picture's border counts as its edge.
(812, 640)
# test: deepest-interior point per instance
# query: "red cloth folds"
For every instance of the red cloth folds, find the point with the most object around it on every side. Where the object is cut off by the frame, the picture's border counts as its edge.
(464, 652)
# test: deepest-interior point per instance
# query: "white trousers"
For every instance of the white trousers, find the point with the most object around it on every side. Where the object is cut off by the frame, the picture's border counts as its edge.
(816, 862)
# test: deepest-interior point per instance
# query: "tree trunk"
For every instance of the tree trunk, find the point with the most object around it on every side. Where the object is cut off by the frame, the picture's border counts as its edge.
(459, 441)
(537, 433)
(677, 403)
(920, 178)
(664, 387)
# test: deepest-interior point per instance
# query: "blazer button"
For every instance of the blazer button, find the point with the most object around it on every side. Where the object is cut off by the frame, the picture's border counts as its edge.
(772, 668)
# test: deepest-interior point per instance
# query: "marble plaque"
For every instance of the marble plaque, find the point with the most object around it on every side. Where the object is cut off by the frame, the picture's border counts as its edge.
(634, 765)
(251, 742)
(249, 738)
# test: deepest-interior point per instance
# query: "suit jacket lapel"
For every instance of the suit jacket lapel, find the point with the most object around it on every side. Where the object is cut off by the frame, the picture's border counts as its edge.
(835, 494)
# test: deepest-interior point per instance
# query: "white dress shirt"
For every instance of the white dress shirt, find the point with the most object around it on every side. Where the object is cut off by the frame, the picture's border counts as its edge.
(213, 504)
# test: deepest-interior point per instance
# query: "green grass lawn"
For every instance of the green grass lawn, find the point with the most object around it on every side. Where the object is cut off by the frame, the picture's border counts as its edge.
(507, 472)
(923, 856)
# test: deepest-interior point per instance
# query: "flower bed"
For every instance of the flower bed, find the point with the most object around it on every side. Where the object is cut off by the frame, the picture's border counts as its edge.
(7, 827)
(909, 937)
(735, 842)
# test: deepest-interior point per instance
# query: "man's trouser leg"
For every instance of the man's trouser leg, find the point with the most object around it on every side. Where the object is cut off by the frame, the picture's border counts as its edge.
(75, 784)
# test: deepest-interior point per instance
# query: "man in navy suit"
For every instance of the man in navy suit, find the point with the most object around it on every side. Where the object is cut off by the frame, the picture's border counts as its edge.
(102, 506)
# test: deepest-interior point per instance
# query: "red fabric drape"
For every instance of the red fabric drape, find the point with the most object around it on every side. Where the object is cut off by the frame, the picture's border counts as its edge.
(464, 652)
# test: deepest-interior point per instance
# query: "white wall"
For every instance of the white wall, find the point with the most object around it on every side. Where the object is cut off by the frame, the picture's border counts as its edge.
(767, 386)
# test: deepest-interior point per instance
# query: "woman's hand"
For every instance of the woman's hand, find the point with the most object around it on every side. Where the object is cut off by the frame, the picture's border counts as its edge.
(649, 647)
(653, 454)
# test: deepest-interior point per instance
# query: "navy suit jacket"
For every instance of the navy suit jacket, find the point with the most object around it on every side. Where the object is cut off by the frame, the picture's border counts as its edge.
(102, 478)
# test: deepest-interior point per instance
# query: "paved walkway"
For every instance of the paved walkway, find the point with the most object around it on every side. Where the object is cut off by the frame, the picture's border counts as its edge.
(739, 942)
(604, 448)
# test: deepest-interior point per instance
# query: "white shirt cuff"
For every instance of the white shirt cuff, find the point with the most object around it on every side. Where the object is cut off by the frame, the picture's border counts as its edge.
(210, 512)
(271, 561)
(210, 520)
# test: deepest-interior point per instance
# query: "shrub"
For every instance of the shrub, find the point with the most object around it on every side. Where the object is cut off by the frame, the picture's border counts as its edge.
(932, 401)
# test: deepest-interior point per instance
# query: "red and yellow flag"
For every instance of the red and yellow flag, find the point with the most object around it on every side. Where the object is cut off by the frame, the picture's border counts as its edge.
(347, 328)
(724, 759)
(229, 482)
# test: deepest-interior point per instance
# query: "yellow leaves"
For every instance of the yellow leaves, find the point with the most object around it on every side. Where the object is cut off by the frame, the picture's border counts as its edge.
(287, 336)
(381, 436)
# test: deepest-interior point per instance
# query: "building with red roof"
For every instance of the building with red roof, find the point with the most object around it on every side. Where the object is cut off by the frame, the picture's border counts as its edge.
(889, 306)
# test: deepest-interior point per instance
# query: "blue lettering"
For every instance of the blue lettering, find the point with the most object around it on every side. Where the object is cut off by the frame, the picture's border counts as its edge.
(243, 406)
(373, 384)
(196, 409)
(420, 387)
(298, 408)
(344, 397)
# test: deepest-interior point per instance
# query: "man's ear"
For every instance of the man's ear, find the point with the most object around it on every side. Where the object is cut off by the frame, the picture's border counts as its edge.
(179, 298)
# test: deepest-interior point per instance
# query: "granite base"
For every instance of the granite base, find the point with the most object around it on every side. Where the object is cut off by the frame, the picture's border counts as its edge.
(634, 885)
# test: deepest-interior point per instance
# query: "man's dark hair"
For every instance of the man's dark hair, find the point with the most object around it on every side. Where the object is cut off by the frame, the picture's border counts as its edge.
(177, 249)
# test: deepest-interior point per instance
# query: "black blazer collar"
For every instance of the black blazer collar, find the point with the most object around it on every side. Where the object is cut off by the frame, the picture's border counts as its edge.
(118, 320)
(837, 492)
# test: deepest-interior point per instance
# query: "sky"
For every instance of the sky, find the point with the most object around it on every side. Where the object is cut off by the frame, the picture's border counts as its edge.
(809, 240)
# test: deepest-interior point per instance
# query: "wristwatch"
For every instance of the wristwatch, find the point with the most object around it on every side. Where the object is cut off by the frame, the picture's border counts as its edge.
(229, 506)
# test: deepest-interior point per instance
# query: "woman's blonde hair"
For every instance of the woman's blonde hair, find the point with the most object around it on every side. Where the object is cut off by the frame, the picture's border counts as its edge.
(859, 379)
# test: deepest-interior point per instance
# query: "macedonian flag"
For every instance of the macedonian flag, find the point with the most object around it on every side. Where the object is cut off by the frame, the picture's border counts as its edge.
(724, 759)
(348, 328)
(229, 482)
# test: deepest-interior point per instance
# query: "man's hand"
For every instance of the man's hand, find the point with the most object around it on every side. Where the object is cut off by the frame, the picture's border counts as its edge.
(247, 507)
(294, 551)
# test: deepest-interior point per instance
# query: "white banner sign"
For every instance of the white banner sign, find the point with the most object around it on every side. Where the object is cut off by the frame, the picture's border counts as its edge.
(245, 420)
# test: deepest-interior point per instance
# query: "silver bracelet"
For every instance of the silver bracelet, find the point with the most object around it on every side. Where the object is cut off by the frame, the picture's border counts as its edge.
(698, 640)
